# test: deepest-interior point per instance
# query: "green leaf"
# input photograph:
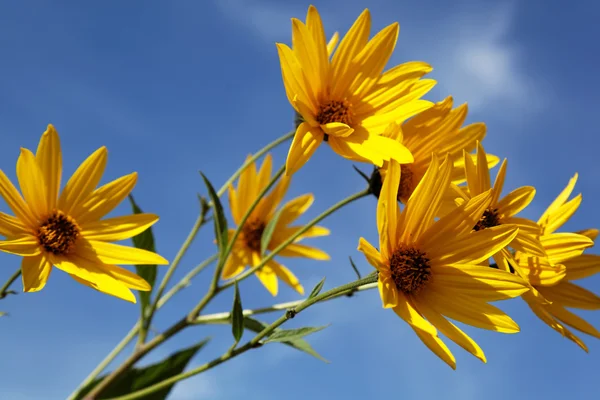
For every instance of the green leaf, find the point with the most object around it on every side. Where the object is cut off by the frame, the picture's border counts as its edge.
(317, 289)
(268, 232)
(219, 218)
(354, 268)
(237, 316)
(299, 344)
(292, 334)
(140, 378)
(145, 241)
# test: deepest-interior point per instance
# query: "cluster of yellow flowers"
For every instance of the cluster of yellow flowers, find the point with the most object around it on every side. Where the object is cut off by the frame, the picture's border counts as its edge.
(433, 258)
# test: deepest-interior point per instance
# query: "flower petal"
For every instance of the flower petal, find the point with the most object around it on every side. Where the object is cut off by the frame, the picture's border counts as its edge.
(49, 159)
(387, 211)
(293, 209)
(300, 250)
(408, 313)
(305, 142)
(337, 129)
(119, 228)
(16, 203)
(528, 244)
(560, 199)
(563, 246)
(286, 276)
(515, 201)
(268, 278)
(582, 266)
(387, 291)
(11, 226)
(573, 320)
(438, 347)
(35, 272)
(25, 246)
(371, 254)
(111, 253)
(538, 271)
(32, 184)
(568, 294)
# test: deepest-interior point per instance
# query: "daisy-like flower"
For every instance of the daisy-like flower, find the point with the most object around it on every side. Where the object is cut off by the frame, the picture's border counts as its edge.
(348, 100)
(552, 277)
(501, 211)
(65, 229)
(428, 270)
(438, 130)
(247, 248)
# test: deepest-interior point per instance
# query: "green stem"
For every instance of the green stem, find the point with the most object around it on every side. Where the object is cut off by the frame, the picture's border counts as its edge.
(225, 317)
(147, 321)
(254, 157)
(4, 290)
(292, 238)
(254, 342)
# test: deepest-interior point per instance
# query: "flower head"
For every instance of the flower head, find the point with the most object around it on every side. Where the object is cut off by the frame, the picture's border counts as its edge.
(65, 229)
(552, 276)
(247, 248)
(438, 130)
(428, 269)
(348, 100)
(501, 211)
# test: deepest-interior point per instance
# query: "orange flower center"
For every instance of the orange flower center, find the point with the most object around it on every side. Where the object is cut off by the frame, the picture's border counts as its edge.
(410, 269)
(58, 233)
(407, 186)
(489, 219)
(335, 111)
(253, 231)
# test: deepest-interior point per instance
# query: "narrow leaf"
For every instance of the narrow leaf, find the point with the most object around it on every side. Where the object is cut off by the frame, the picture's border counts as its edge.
(365, 177)
(219, 217)
(237, 316)
(268, 232)
(317, 289)
(354, 268)
(299, 344)
(292, 334)
(140, 378)
(145, 241)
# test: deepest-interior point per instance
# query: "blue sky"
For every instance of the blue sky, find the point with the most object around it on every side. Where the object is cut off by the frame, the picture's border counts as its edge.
(174, 88)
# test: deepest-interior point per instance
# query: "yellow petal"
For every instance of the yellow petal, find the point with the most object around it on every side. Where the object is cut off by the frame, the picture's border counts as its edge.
(525, 225)
(452, 331)
(305, 142)
(515, 201)
(528, 244)
(371, 254)
(32, 184)
(104, 199)
(264, 174)
(84, 181)
(11, 226)
(49, 159)
(233, 205)
(16, 203)
(25, 246)
(568, 294)
(294, 209)
(233, 266)
(591, 233)
(483, 172)
(352, 44)
(247, 190)
(473, 248)
(471, 174)
(131, 280)
(437, 346)
(331, 45)
(35, 272)
(499, 182)
(561, 247)
(286, 276)
(538, 271)
(337, 129)
(111, 253)
(559, 217)
(113, 288)
(471, 311)
(560, 199)
(312, 58)
(268, 278)
(387, 291)
(387, 211)
(582, 266)
(573, 320)
(407, 311)
(269, 203)
(300, 250)
(119, 228)
(294, 81)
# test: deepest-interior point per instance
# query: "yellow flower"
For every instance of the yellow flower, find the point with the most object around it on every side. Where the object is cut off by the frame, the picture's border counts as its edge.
(348, 100)
(247, 247)
(428, 270)
(438, 131)
(551, 277)
(503, 211)
(66, 230)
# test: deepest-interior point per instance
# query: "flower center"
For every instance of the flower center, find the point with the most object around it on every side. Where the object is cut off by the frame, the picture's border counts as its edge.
(406, 187)
(410, 269)
(58, 234)
(335, 111)
(253, 231)
(489, 219)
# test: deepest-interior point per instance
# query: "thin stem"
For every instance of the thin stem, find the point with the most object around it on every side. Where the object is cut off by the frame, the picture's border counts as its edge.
(225, 317)
(300, 232)
(4, 291)
(254, 157)
(254, 342)
(184, 248)
(107, 360)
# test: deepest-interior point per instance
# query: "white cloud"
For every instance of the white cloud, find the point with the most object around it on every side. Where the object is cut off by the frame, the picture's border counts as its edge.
(199, 387)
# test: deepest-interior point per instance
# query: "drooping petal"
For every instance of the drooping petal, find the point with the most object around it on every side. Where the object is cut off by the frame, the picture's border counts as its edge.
(387, 291)
(268, 278)
(305, 142)
(104, 199)
(286, 276)
(49, 159)
(35, 272)
(84, 181)
(439, 348)
(371, 254)
(408, 313)
(118, 228)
